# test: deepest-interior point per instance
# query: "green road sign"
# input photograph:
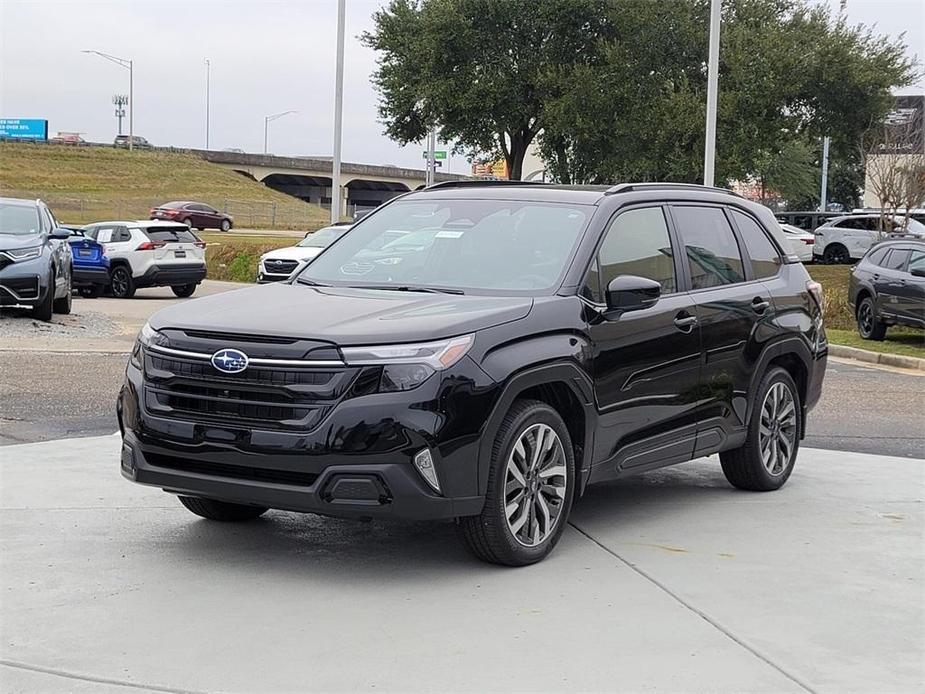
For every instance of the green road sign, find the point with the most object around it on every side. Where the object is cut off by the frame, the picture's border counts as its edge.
(438, 155)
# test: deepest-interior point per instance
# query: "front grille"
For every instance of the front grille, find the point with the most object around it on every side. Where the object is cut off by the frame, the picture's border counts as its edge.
(267, 397)
(22, 287)
(280, 267)
(242, 472)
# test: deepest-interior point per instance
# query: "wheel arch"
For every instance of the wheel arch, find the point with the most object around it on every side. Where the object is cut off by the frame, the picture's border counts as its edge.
(794, 356)
(566, 388)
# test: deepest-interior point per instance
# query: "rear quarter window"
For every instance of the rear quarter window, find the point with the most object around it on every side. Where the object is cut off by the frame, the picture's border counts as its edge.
(764, 255)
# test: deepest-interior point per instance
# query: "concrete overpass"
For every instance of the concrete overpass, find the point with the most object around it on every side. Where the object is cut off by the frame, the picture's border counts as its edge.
(310, 178)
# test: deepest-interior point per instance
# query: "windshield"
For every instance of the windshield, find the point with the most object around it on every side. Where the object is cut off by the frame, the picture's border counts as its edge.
(322, 238)
(19, 219)
(470, 245)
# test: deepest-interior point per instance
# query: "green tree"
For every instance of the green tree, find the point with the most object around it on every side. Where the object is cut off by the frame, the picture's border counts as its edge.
(479, 70)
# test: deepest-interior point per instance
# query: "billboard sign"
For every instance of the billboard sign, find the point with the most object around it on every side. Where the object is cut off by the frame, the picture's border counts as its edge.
(23, 129)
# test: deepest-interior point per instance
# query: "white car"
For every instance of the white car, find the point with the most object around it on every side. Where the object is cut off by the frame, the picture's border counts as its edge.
(848, 238)
(801, 242)
(280, 264)
(148, 253)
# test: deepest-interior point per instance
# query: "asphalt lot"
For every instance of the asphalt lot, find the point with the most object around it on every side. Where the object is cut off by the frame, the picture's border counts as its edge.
(670, 582)
(74, 378)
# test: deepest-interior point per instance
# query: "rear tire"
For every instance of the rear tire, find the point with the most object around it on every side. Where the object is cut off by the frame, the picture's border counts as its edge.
(94, 291)
(63, 305)
(766, 459)
(869, 327)
(221, 510)
(121, 283)
(531, 481)
(189, 223)
(184, 290)
(836, 254)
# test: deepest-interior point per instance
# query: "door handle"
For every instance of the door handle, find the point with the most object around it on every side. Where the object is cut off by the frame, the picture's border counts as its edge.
(760, 305)
(685, 322)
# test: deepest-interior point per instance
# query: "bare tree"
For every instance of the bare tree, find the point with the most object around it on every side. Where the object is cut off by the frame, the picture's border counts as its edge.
(894, 154)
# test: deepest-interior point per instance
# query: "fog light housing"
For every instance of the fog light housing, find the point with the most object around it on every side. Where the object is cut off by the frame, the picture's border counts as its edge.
(424, 462)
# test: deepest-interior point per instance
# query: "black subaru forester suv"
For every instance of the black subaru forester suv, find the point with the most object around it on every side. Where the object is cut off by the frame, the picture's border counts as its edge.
(482, 353)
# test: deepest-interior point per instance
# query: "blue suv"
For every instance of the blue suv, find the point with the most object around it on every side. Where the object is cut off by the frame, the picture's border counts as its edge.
(91, 265)
(35, 259)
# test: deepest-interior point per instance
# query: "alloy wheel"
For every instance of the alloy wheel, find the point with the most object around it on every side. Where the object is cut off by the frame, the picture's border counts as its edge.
(866, 319)
(119, 282)
(777, 429)
(535, 485)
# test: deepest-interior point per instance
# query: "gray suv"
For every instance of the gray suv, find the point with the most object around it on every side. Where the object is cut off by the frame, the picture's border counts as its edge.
(35, 259)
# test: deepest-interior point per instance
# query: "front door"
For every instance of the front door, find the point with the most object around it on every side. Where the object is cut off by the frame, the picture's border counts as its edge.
(731, 302)
(646, 362)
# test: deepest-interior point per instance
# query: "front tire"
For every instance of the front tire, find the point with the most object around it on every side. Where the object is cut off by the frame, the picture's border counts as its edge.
(221, 510)
(63, 305)
(226, 225)
(531, 481)
(869, 327)
(184, 290)
(121, 283)
(43, 310)
(766, 459)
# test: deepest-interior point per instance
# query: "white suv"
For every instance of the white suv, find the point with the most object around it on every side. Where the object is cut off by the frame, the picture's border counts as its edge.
(150, 254)
(280, 264)
(843, 239)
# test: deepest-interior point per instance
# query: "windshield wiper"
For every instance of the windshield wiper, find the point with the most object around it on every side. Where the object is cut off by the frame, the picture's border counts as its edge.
(409, 288)
(311, 283)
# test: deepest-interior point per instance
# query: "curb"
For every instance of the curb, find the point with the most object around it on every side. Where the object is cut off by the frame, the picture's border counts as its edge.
(870, 357)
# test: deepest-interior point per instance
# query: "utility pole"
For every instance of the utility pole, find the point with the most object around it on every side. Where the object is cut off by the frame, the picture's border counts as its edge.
(824, 192)
(119, 101)
(709, 151)
(208, 79)
(431, 157)
(338, 112)
(128, 65)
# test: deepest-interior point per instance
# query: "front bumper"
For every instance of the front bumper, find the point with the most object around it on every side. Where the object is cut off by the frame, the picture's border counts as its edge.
(87, 276)
(172, 275)
(357, 462)
(25, 283)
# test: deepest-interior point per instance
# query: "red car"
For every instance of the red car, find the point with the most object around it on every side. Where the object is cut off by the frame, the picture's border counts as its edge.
(196, 215)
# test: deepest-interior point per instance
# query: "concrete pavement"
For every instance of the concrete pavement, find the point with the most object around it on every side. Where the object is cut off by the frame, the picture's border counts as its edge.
(668, 582)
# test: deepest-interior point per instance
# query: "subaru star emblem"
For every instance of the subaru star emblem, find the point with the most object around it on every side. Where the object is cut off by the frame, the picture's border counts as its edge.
(231, 361)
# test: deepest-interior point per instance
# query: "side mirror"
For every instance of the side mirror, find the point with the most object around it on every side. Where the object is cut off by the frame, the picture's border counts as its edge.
(632, 293)
(60, 233)
(917, 272)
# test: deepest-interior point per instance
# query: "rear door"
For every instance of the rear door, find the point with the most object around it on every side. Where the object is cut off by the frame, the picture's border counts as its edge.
(890, 284)
(731, 301)
(913, 301)
(175, 245)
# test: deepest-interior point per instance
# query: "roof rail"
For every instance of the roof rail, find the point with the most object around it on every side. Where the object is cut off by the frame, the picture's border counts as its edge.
(479, 183)
(628, 187)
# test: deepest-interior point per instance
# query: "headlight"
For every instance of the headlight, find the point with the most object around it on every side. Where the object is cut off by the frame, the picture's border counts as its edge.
(24, 253)
(405, 367)
(147, 337)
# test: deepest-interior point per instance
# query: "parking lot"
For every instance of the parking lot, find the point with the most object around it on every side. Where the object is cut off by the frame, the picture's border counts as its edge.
(815, 588)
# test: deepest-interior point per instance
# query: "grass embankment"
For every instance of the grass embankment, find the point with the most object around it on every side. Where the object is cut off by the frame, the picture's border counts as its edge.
(234, 258)
(91, 184)
(840, 323)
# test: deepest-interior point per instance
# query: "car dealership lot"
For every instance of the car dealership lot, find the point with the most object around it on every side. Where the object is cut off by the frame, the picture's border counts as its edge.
(670, 581)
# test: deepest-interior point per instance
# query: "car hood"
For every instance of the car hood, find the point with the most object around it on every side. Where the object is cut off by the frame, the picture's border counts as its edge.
(10, 242)
(293, 253)
(341, 315)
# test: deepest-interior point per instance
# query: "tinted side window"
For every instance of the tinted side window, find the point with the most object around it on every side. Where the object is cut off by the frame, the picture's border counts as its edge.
(876, 257)
(897, 258)
(637, 243)
(764, 256)
(916, 261)
(710, 246)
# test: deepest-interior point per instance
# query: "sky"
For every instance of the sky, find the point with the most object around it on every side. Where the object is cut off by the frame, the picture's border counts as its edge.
(267, 56)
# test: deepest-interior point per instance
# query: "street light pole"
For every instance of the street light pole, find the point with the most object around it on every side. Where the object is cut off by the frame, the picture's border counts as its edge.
(266, 125)
(709, 150)
(129, 65)
(208, 76)
(338, 113)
